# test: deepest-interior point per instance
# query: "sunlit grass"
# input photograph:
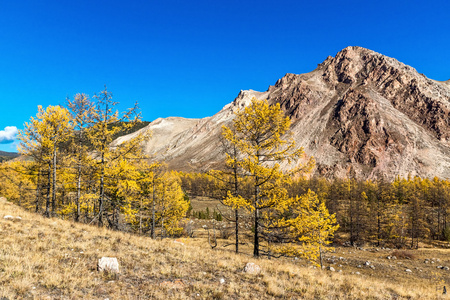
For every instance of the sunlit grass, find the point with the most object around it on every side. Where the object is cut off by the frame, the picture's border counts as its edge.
(53, 259)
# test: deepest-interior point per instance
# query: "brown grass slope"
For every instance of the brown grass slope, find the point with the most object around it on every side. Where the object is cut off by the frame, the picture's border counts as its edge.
(54, 259)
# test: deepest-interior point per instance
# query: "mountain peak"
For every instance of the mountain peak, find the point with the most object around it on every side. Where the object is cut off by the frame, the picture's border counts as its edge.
(359, 112)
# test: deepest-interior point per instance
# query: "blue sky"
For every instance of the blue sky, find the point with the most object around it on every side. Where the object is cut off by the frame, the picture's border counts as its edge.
(190, 58)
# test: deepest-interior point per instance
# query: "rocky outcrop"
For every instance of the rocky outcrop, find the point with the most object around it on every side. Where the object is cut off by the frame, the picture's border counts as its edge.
(359, 113)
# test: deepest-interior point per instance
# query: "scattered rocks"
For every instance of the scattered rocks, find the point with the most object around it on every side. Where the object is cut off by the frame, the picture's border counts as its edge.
(108, 264)
(252, 268)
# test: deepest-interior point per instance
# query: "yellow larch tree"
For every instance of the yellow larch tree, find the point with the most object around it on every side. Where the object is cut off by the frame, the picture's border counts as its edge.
(82, 111)
(170, 202)
(258, 132)
(41, 138)
(107, 124)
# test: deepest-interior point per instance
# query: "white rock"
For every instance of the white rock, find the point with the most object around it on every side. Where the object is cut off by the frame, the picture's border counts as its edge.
(252, 268)
(8, 217)
(408, 270)
(109, 264)
(222, 281)
(178, 242)
(331, 269)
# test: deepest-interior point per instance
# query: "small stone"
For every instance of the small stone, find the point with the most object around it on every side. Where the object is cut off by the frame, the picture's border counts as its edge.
(357, 273)
(222, 281)
(439, 267)
(367, 263)
(109, 264)
(8, 217)
(331, 269)
(359, 266)
(446, 268)
(372, 267)
(252, 268)
(388, 257)
(179, 242)
(408, 271)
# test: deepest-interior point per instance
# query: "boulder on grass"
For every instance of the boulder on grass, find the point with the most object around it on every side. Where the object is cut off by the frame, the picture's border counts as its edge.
(252, 268)
(108, 264)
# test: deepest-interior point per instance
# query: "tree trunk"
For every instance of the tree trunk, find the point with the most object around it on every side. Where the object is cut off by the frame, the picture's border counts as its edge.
(102, 192)
(49, 181)
(237, 230)
(54, 182)
(153, 210)
(256, 240)
(77, 216)
(38, 190)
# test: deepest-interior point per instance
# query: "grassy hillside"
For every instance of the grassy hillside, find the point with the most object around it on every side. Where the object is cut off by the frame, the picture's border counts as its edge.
(54, 259)
(4, 156)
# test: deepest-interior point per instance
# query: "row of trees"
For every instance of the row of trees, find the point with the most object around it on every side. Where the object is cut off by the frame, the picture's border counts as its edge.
(396, 213)
(78, 170)
(75, 169)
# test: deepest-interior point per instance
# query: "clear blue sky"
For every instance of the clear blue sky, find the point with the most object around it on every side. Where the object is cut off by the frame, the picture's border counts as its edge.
(190, 58)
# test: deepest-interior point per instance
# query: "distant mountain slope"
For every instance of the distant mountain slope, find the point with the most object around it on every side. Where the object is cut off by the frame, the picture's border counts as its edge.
(359, 114)
(7, 155)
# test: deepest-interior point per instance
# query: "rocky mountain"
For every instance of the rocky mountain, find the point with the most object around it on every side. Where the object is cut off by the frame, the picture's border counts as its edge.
(359, 114)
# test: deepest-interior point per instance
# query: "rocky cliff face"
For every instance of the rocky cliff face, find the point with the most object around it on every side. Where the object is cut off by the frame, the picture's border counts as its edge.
(359, 114)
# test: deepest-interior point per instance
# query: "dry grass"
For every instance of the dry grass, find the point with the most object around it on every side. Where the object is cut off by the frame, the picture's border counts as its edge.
(54, 259)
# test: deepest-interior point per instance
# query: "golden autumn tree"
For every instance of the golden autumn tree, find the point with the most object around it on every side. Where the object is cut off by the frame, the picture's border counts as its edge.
(41, 139)
(170, 203)
(108, 123)
(310, 224)
(150, 174)
(18, 182)
(82, 111)
(258, 132)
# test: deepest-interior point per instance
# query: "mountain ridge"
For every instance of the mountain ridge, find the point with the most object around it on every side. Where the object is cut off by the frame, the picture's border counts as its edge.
(359, 113)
